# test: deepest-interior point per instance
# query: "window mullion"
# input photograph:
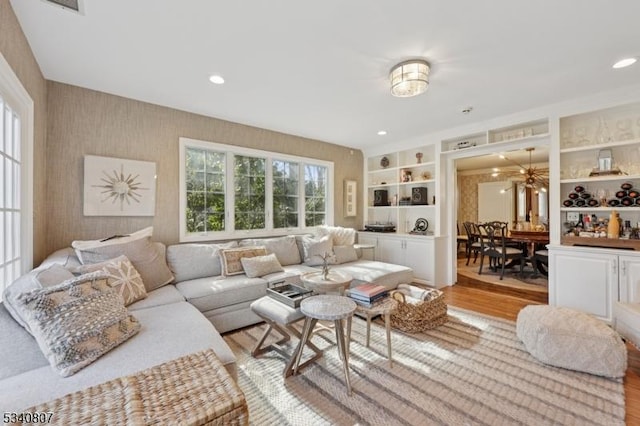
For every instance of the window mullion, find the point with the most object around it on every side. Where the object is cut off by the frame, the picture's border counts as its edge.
(268, 198)
(230, 193)
(302, 222)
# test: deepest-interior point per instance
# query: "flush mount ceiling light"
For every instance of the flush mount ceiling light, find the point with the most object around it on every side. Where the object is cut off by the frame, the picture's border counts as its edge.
(216, 79)
(624, 63)
(409, 78)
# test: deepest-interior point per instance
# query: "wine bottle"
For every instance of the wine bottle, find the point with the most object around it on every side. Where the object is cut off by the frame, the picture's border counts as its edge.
(613, 230)
(580, 224)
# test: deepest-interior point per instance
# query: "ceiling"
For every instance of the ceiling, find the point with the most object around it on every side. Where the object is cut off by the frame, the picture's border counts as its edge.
(320, 69)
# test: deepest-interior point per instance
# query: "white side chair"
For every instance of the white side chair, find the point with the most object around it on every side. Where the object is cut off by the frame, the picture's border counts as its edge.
(626, 321)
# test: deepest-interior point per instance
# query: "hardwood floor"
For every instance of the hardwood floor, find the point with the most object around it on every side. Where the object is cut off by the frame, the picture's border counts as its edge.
(506, 306)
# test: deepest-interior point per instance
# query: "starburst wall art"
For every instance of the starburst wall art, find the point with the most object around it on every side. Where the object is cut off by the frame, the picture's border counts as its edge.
(118, 187)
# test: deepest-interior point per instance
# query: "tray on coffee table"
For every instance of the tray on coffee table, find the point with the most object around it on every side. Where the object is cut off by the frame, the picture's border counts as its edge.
(289, 294)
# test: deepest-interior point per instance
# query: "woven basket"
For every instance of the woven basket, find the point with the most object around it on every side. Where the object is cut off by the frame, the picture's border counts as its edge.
(419, 315)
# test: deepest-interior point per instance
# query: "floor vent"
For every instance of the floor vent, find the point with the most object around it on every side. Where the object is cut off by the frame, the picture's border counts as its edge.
(70, 5)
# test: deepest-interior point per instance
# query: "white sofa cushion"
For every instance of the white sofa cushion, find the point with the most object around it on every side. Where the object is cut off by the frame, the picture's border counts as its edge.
(388, 275)
(340, 236)
(345, 254)
(191, 261)
(168, 332)
(158, 297)
(216, 292)
(285, 248)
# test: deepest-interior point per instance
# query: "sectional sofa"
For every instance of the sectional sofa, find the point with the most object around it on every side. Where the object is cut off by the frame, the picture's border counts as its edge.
(205, 296)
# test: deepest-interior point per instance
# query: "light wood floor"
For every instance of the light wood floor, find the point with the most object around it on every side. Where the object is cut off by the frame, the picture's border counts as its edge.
(505, 306)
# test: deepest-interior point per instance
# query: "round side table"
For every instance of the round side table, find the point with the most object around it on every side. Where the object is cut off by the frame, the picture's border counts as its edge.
(336, 281)
(332, 308)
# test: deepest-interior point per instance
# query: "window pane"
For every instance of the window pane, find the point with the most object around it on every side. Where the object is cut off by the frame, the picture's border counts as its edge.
(315, 182)
(205, 186)
(249, 178)
(285, 194)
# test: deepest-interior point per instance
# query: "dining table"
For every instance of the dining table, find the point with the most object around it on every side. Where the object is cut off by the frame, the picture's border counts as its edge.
(529, 241)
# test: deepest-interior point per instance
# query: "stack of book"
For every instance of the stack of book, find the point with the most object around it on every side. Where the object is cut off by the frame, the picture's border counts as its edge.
(368, 295)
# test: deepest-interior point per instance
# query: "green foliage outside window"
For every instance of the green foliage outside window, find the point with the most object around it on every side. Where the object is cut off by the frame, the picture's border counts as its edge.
(205, 181)
(249, 192)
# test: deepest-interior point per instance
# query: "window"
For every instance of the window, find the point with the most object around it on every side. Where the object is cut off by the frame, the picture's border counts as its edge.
(16, 180)
(228, 191)
(249, 178)
(285, 194)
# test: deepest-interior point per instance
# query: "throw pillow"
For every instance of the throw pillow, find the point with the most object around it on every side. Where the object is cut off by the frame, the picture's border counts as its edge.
(315, 249)
(41, 277)
(122, 276)
(147, 257)
(341, 236)
(285, 248)
(345, 254)
(230, 258)
(260, 266)
(77, 321)
(191, 261)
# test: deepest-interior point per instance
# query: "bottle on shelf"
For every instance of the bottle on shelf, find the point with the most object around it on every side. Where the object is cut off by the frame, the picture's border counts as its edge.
(579, 225)
(626, 230)
(613, 230)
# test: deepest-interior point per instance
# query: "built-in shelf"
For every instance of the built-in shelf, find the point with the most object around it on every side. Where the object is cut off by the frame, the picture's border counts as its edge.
(600, 242)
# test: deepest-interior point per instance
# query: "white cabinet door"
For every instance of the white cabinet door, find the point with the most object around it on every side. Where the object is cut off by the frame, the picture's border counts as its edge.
(391, 250)
(584, 280)
(629, 279)
(419, 257)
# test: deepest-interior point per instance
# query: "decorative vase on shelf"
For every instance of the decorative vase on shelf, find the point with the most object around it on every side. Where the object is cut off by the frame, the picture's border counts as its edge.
(603, 135)
(613, 230)
(419, 157)
(384, 162)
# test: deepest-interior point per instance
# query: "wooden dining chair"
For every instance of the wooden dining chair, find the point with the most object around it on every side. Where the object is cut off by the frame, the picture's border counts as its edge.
(461, 239)
(493, 238)
(473, 240)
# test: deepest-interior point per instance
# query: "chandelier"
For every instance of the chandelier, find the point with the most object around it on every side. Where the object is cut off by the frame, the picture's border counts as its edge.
(534, 178)
(409, 78)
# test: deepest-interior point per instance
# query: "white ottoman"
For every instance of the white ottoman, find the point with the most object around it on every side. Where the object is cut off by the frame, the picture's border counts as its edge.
(626, 320)
(571, 339)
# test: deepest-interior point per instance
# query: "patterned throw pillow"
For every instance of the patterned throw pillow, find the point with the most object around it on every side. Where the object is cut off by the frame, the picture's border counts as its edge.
(230, 258)
(78, 321)
(122, 276)
(260, 266)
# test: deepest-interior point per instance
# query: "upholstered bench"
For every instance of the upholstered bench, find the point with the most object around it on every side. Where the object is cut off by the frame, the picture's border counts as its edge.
(279, 317)
(571, 339)
(626, 320)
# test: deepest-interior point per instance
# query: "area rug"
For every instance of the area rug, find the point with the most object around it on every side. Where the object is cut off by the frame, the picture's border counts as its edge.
(471, 371)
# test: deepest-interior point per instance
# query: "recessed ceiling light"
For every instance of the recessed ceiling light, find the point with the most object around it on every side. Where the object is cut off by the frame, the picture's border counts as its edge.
(624, 62)
(216, 79)
(382, 132)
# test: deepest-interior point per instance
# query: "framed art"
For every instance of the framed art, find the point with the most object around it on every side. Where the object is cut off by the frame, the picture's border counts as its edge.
(119, 187)
(350, 188)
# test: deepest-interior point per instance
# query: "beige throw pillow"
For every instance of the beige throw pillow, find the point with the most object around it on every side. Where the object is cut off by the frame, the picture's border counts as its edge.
(122, 276)
(77, 321)
(230, 258)
(341, 236)
(260, 266)
(147, 257)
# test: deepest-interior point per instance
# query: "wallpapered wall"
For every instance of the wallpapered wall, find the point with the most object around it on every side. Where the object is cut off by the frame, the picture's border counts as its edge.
(16, 51)
(85, 122)
(468, 195)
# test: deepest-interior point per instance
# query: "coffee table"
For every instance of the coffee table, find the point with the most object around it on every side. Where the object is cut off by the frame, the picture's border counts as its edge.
(332, 308)
(335, 281)
(385, 308)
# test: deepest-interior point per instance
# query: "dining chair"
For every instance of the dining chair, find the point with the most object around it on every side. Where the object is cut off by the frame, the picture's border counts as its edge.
(541, 262)
(473, 240)
(493, 238)
(461, 239)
